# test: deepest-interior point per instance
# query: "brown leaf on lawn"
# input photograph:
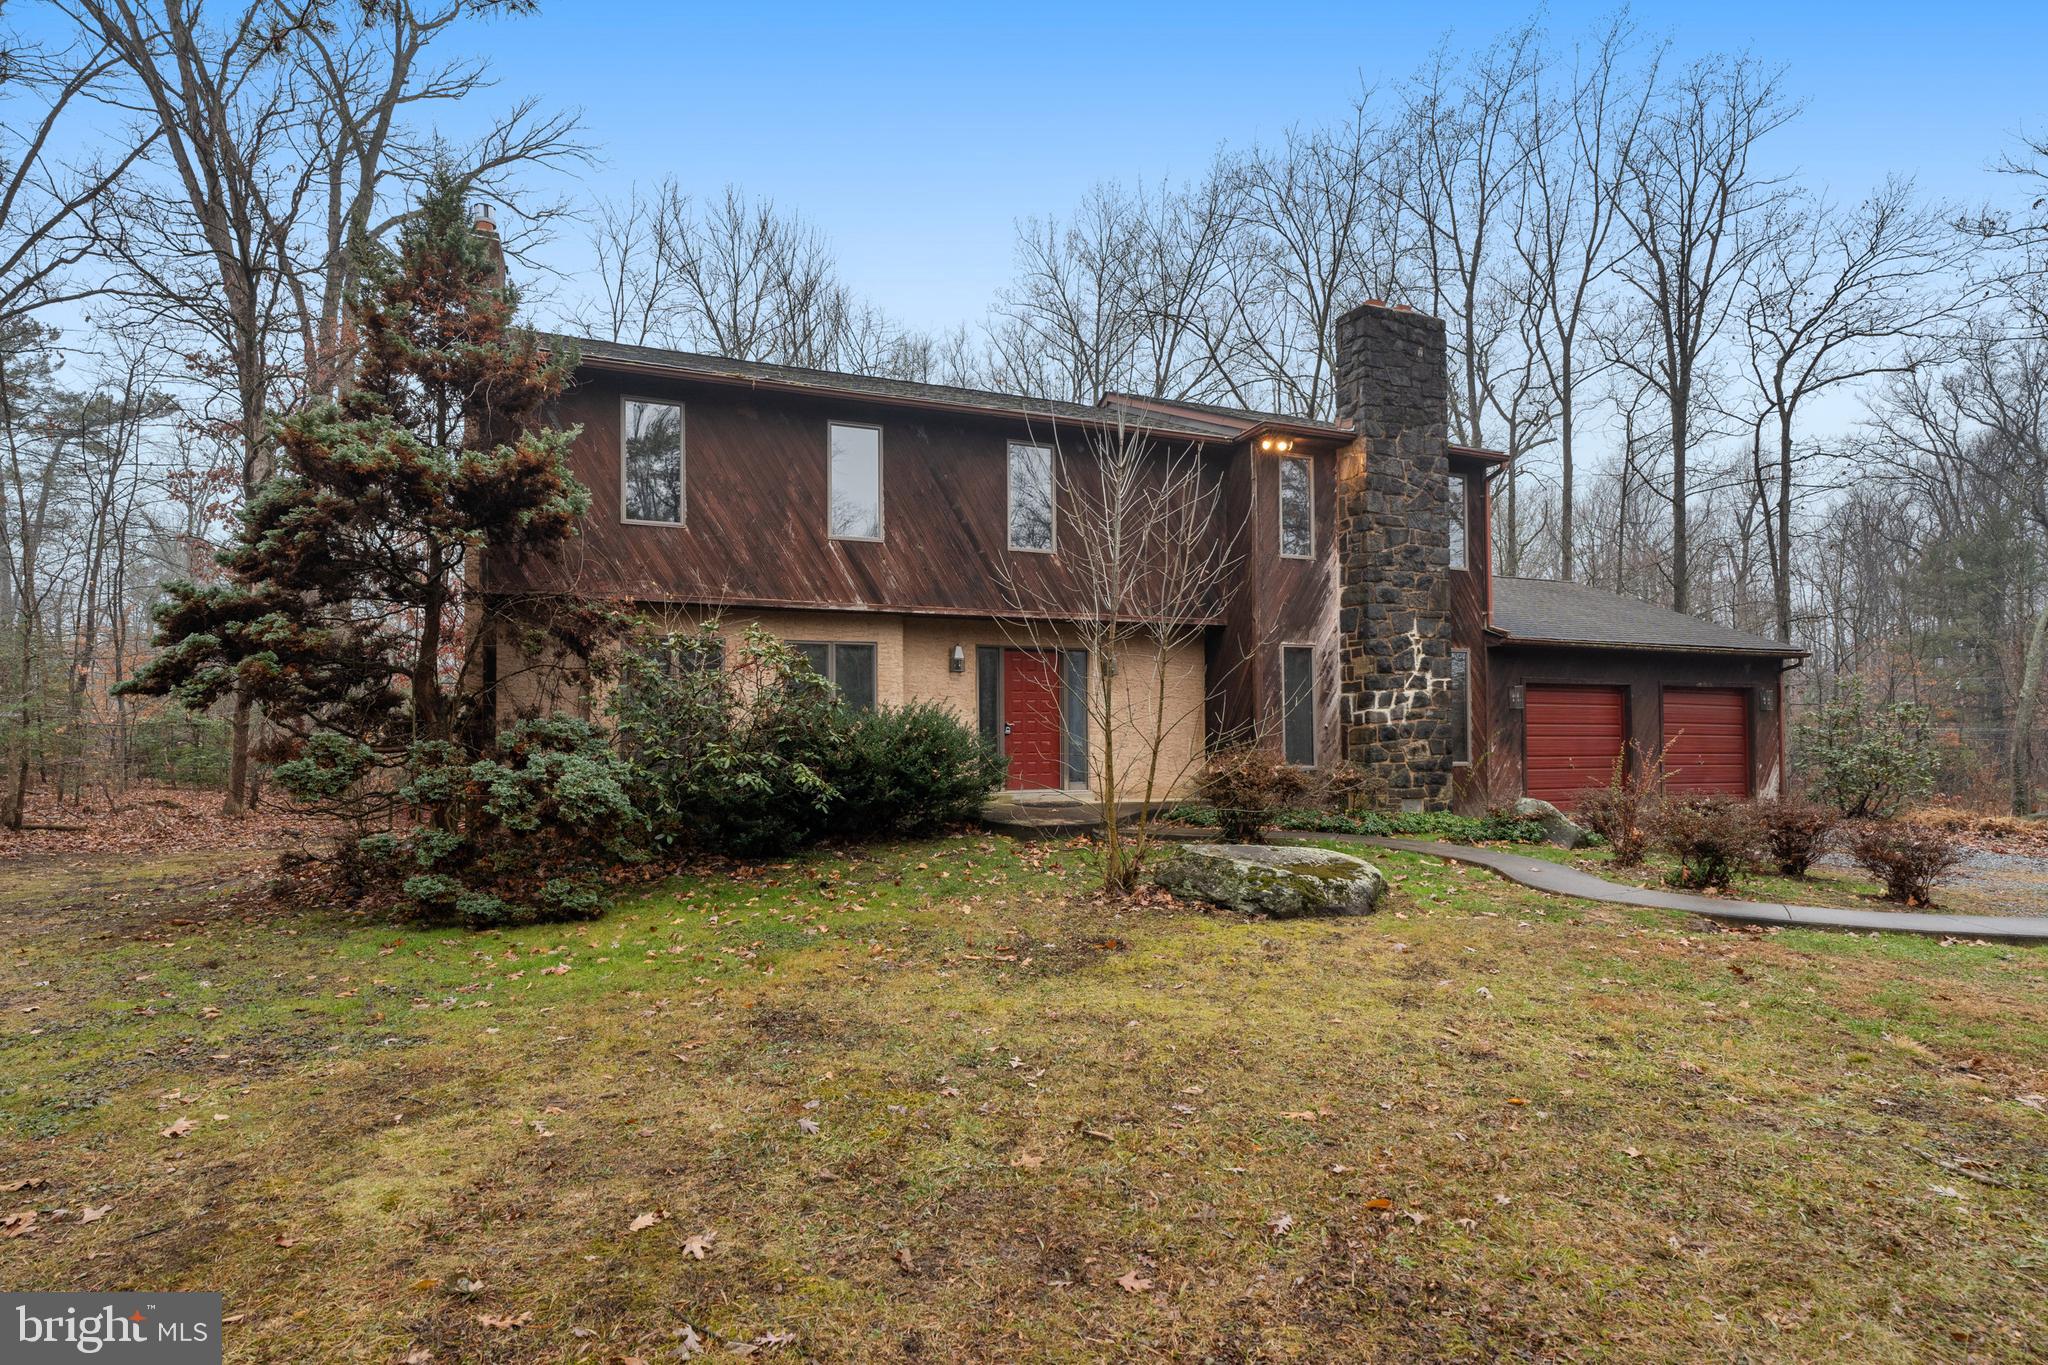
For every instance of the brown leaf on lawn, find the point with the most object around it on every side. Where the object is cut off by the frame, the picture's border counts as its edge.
(807, 1125)
(698, 1247)
(1305, 1115)
(89, 1214)
(419, 1357)
(1380, 1204)
(285, 1239)
(33, 1182)
(1280, 1225)
(1630, 1152)
(1131, 1282)
(1027, 1160)
(505, 1324)
(14, 1224)
(647, 1220)
(903, 1259)
(178, 1129)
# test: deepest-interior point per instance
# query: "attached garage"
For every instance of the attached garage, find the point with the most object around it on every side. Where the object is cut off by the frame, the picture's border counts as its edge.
(1706, 741)
(1571, 739)
(1576, 676)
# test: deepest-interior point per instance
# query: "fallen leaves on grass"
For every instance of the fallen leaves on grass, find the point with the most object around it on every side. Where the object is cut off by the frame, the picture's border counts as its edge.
(1280, 1224)
(178, 1129)
(647, 1220)
(504, 1323)
(698, 1247)
(15, 1224)
(89, 1214)
(1131, 1282)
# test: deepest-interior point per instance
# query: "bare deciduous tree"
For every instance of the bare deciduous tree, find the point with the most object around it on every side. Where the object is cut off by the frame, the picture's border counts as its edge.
(1692, 198)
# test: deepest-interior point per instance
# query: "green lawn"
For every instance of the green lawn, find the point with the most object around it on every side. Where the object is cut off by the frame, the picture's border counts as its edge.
(933, 1102)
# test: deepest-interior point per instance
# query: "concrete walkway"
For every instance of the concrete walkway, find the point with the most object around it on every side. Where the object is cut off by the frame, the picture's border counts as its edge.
(1569, 881)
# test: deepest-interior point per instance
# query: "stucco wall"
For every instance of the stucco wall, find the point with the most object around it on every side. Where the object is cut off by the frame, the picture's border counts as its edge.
(913, 663)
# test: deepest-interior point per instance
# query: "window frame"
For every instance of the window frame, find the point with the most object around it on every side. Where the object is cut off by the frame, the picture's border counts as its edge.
(682, 458)
(1314, 746)
(831, 673)
(881, 518)
(1308, 471)
(1052, 495)
(1457, 652)
(1458, 499)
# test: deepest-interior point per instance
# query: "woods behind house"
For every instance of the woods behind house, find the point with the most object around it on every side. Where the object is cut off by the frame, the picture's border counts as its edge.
(1818, 412)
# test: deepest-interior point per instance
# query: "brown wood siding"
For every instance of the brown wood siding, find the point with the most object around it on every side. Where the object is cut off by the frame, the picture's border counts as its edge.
(1276, 601)
(1649, 678)
(1471, 590)
(754, 531)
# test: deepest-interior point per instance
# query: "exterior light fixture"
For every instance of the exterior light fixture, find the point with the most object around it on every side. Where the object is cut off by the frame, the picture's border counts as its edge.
(1517, 698)
(1766, 699)
(956, 662)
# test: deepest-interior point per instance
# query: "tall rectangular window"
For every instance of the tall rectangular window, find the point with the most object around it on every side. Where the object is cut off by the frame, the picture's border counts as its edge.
(1457, 530)
(1031, 497)
(1297, 511)
(1461, 706)
(1298, 704)
(651, 462)
(850, 668)
(854, 482)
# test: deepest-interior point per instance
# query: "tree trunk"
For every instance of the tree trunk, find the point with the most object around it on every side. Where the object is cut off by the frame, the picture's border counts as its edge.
(1781, 556)
(2023, 717)
(235, 802)
(1681, 545)
(1564, 455)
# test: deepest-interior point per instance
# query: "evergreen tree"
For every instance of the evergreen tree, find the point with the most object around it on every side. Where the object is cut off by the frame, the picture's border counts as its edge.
(348, 608)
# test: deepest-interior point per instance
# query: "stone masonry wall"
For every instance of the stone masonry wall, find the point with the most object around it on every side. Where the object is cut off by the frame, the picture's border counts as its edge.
(1393, 557)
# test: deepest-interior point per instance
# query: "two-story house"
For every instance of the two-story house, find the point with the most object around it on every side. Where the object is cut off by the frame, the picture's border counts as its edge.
(884, 528)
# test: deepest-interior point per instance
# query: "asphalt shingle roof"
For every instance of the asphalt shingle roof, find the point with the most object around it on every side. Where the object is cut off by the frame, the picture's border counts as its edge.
(1541, 610)
(898, 390)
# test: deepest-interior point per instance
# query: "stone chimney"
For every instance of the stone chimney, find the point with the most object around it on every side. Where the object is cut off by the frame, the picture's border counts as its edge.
(488, 230)
(1393, 555)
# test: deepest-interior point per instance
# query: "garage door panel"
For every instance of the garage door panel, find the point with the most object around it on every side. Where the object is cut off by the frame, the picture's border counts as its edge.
(1706, 741)
(1571, 739)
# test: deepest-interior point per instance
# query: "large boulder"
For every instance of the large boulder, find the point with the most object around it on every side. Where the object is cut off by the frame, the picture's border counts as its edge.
(1260, 879)
(1558, 828)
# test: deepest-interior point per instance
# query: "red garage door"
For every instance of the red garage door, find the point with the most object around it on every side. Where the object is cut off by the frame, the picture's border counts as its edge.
(1571, 737)
(1706, 741)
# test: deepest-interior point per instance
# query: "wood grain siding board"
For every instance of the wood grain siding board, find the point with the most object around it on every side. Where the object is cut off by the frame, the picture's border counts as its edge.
(755, 524)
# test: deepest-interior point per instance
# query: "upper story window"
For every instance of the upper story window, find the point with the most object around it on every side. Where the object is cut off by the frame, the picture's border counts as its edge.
(1031, 497)
(1458, 532)
(854, 483)
(1297, 510)
(651, 462)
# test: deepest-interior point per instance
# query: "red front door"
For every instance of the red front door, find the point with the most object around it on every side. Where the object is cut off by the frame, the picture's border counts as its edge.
(1031, 718)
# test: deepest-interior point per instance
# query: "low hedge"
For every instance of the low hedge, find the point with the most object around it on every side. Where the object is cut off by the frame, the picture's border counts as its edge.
(1435, 824)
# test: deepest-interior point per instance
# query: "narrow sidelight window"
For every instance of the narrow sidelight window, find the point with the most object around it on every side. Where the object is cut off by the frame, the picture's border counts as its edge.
(1457, 531)
(854, 484)
(1297, 511)
(1074, 714)
(1298, 704)
(1461, 706)
(849, 668)
(651, 463)
(988, 692)
(1031, 498)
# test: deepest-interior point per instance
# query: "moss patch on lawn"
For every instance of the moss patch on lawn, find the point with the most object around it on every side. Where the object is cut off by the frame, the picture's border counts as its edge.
(934, 1102)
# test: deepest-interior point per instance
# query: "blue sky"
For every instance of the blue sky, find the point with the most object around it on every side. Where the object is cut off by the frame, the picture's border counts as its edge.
(916, 135)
